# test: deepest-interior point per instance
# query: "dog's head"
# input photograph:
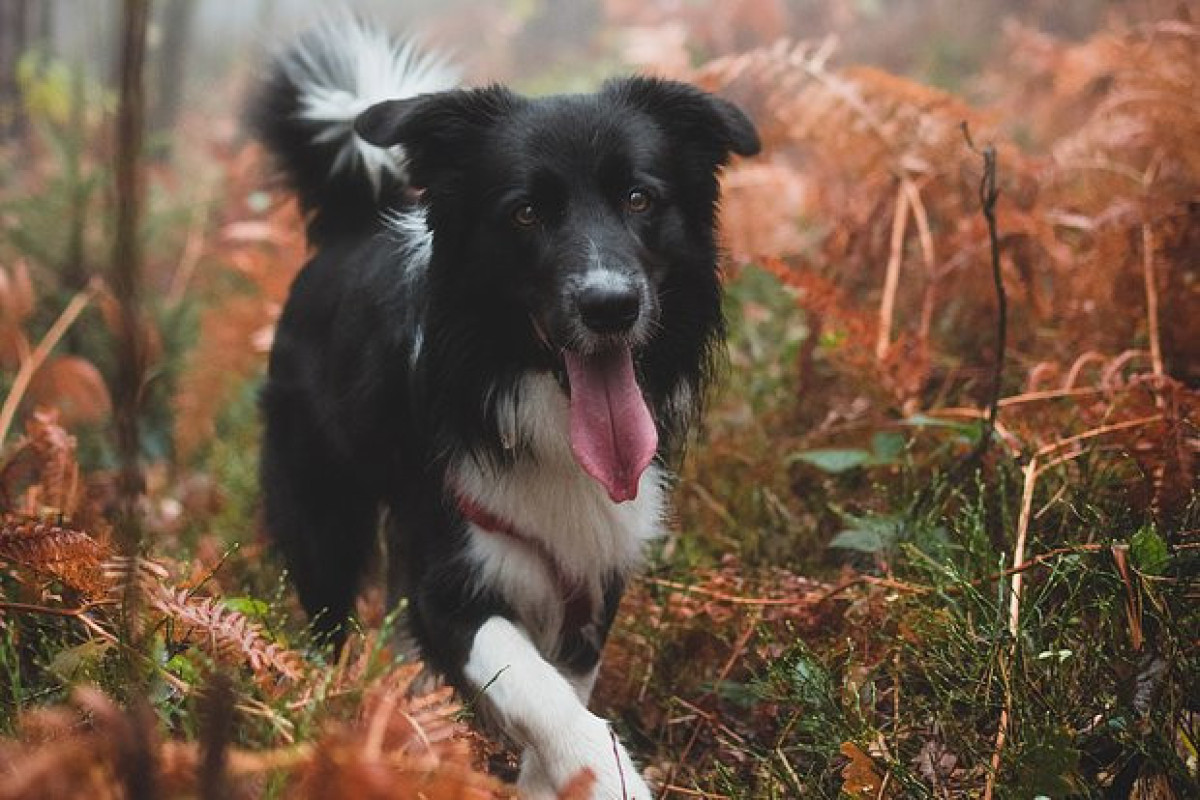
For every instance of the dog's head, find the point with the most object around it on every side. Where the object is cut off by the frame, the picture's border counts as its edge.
(586, 221)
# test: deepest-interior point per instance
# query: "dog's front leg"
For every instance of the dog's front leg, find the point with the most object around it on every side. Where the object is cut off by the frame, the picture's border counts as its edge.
(540, 709)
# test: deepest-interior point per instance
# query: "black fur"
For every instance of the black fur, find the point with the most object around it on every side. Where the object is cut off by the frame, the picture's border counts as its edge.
(356, 426)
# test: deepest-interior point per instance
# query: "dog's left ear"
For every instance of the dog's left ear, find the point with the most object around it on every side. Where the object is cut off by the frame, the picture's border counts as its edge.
(691, 116)
(435, 130)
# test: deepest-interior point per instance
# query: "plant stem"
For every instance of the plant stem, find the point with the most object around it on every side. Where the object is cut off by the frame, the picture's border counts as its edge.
(126, 273)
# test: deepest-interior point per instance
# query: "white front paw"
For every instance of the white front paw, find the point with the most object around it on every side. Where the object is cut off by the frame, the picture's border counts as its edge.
(591, 745)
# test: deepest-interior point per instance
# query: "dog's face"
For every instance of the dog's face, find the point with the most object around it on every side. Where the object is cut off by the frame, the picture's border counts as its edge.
(583, 220)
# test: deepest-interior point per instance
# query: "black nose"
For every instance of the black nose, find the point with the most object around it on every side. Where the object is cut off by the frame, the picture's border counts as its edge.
(609, 310)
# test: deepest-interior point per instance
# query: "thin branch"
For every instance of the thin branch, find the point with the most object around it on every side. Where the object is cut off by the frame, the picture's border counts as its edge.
(1078, 365)
(31, 364)
(1092, 434)
(989, 194)
(925, 237)
(672, 789)
(29, 608)
(726, 598)
(891, 281)
(1156, 358)
(873, 580)
(1050, 394)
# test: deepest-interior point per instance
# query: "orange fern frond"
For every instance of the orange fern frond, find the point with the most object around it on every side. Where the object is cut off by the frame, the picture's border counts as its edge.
(54, 552)
(226, 634)
(263, 249)
(404, 745)
(54, 450)
(95, 750)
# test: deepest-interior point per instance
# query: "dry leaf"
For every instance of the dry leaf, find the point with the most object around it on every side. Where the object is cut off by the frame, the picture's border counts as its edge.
(859, 778)
(75, 387)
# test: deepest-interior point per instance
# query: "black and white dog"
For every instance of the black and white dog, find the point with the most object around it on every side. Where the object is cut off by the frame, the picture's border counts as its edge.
(499, 342)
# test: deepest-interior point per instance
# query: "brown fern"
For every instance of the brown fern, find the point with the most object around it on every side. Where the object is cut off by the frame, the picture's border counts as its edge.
(39, 475)
(54, 449)
(1098, 213)
(226, 634)
(263, 250)
(45, 551)
(401, 744)
(93, 750)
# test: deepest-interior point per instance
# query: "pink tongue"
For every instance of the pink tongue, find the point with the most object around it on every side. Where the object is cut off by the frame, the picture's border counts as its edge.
(612, 434)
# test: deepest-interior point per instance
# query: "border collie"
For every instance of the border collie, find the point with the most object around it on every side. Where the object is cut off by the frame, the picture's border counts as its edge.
(498, 344)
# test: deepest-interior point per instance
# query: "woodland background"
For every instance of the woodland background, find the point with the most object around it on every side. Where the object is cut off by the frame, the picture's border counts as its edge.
(938, 536)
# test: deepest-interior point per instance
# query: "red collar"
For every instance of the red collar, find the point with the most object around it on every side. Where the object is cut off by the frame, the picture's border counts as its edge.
(578, 610)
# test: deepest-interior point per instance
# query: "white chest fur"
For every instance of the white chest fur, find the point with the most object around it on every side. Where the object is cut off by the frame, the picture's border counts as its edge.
(546, 495)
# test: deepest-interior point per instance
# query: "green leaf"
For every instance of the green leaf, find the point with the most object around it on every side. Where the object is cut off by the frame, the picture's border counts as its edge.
(181, 666)
(871, 534)
(887, 447)
(247, 605)
(1149, 551)
(864, 541)
(833, 460)
(926, 421)
(969, 430)
(77, 662)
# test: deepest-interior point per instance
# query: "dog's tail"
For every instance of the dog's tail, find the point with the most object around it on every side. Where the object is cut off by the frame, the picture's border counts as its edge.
(305, 109)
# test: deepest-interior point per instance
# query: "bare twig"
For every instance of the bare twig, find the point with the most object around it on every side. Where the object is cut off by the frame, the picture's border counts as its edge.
(989, 194)
(1049, 394)
(925, 237)
(873, 580)
(726, 598)
(791, 772)
(670, 789)
(28, 608)
(1156, 358)
(31, 364)
(1093, 433)
(891, 281)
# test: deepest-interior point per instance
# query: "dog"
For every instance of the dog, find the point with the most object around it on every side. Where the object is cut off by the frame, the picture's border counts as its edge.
(496, 349)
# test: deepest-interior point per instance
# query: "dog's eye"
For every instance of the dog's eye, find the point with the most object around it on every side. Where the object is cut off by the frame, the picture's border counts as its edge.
(524, 215)
(638, 200)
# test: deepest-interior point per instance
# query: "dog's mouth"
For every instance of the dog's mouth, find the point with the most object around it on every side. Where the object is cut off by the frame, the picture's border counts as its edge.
(613, 436)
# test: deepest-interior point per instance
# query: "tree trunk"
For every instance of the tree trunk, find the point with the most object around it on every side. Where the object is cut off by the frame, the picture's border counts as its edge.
(14, 26)
(126, 273)
(176, 21)
(41, 30)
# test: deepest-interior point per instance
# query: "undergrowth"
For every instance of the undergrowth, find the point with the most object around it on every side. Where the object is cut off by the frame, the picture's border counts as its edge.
(870, 590)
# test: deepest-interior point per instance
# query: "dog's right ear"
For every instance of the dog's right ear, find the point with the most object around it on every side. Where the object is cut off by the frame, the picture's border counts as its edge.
(435, 130)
